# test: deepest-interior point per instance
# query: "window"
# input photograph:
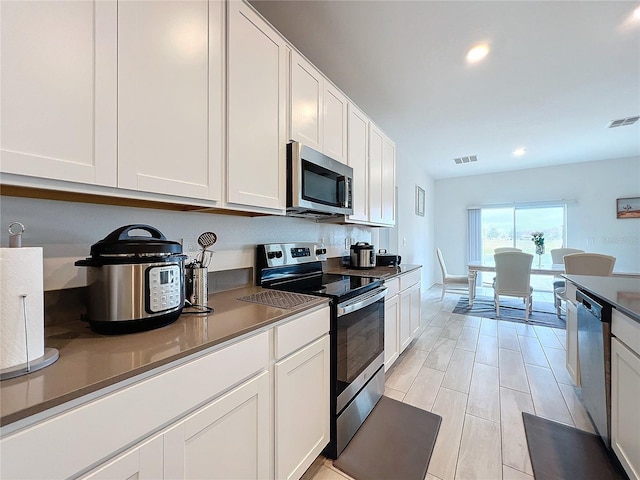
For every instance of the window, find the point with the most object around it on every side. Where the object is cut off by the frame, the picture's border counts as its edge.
(492, 227)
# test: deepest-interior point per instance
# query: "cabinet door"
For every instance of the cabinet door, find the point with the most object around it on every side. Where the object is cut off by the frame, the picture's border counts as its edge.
(375, 174)
(415, 309)
(143, 462)
(302, 408)
(357, 158)
(256, 95)
(58, 96)
(306, 102)
(334, 123)
(573, 364)
(388, 187)
(391, 329)
(405, 319)
(625, 416)
(228, 438)
(164, 84)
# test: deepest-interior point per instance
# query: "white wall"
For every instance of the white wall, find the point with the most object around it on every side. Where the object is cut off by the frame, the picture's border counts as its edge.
(591, 225)
(67, 230)
(415, 234)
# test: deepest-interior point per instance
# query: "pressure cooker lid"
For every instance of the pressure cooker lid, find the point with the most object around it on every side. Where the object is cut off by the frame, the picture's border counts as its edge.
(120, 242)
(361, 246)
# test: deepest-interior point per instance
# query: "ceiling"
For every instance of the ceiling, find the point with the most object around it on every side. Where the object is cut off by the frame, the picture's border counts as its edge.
(558, 72)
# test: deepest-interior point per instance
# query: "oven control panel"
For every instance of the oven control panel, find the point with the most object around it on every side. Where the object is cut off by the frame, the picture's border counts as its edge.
(281, 254)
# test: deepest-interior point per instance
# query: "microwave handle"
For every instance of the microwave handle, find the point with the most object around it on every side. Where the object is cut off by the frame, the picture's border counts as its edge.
(346, 200)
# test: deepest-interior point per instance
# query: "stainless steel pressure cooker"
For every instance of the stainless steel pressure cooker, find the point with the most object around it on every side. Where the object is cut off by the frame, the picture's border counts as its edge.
(136, 283)
(363, 255)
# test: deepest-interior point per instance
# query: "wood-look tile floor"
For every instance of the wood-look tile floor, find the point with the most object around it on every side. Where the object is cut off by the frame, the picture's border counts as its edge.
(480, 375)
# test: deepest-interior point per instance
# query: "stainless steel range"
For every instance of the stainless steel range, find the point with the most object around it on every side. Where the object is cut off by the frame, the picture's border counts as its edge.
(357, 329)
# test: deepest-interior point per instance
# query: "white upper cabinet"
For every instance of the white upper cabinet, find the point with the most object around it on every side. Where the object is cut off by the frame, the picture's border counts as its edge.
(306, 102)
(318, 110)
(170, 77)
(256, 122)
(358, 150)
(388, 192)
(334, 123)
(58, 76)
(376, 145)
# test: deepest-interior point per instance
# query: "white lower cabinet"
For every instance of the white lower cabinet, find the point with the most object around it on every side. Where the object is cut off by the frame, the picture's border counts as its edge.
(402, 314)
(143, 462)
(391, 318)
(573, 364)
(211, 416)
(625, 392)
(302, 408)
(226, 439)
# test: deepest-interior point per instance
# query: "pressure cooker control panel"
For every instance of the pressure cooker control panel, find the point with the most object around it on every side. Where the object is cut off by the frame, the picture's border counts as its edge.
(164, 288)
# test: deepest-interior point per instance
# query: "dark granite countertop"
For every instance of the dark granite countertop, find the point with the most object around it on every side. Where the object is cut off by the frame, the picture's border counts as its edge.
(385, 273)
(621, 293)
(90, 362)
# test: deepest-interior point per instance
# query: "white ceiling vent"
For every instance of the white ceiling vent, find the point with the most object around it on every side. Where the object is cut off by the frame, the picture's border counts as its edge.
(623, 122)
(469, 159)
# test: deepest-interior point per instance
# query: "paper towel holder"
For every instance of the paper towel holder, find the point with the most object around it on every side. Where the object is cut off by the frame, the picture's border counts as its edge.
(50, 354)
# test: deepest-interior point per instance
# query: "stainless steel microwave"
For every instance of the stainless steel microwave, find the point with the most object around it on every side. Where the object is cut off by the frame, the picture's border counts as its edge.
(317, 186)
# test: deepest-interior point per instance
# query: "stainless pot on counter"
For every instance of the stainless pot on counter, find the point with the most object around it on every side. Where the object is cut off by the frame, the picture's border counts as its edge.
(136, 283)
(363, 255)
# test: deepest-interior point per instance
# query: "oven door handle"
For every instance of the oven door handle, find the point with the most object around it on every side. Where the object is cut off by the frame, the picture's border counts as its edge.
(346, 307)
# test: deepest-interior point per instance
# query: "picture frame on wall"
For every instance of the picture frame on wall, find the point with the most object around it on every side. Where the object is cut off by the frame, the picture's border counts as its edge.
(420, 201)
(628, 207)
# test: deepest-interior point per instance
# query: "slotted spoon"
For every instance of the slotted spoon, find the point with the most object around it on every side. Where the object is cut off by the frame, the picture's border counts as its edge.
(206, 240)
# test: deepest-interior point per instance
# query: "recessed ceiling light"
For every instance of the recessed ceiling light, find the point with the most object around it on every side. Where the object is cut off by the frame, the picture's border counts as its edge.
(518, 152)
(636, 13)
(477, 52)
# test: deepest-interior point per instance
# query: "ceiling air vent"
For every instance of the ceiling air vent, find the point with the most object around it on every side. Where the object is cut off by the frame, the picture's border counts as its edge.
(623, 122)
(469, 159)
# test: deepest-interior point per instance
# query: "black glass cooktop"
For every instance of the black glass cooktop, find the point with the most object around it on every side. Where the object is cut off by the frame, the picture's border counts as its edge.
(330, 285)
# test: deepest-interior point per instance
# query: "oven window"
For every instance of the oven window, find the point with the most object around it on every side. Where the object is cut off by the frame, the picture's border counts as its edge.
(321, 185)
(360, 340)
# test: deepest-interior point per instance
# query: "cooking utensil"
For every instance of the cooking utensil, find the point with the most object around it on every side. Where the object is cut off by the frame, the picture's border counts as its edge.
(206, 240)
(384, 259)
(135, 282)
(363, 256)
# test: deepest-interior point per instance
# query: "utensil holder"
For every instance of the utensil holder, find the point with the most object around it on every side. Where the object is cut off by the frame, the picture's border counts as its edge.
(196, 287)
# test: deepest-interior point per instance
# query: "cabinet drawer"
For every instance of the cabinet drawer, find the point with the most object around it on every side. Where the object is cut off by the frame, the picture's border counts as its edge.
(409, 279)
(626, 329)
(72, 441)
(299, 332)
(393, 286)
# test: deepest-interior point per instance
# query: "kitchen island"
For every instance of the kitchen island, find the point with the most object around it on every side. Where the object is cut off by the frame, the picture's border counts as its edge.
(614, 410)
(621, 293)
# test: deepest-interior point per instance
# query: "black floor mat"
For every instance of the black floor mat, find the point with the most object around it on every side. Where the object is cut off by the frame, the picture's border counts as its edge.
(511, 310)
(395, 442)
(561, 452)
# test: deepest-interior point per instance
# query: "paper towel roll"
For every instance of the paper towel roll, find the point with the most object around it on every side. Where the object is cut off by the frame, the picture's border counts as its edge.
(20, 274)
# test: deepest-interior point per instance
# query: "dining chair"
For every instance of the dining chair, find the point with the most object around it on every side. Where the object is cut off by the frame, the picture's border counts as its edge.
(513, 279)
(456, 283)
(592, 264)
(506, 249)
(557, 258)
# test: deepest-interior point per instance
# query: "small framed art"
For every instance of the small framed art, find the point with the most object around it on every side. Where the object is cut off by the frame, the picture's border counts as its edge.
(419, 201)
(628, 207)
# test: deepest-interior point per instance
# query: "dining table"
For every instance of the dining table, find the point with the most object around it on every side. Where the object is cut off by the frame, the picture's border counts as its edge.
(553, 269)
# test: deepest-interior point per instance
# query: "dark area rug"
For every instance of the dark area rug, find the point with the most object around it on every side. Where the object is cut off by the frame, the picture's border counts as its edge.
(512, 310)
(395, 442)
(561, 452)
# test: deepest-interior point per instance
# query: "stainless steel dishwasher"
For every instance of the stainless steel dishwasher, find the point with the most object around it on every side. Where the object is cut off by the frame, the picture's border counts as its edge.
(594, 351)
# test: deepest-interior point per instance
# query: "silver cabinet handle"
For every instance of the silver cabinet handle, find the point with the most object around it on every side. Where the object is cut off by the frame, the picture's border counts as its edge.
(345, 308)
